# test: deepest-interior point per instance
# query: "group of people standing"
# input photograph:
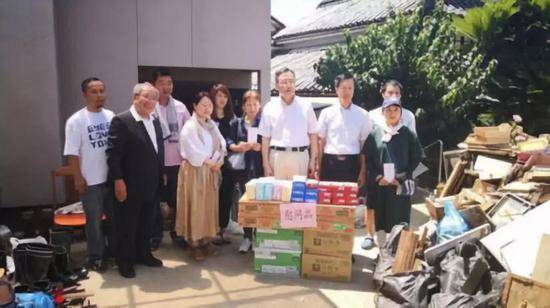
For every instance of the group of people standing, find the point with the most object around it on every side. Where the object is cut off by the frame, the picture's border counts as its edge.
(125, 166)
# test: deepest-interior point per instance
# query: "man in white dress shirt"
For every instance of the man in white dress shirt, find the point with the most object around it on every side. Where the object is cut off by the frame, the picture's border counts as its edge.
(289, 130)
(342, 129)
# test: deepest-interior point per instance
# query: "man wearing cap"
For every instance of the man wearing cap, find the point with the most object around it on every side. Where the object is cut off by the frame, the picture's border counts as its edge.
(342, 129)
(392, 152)
(289, 132)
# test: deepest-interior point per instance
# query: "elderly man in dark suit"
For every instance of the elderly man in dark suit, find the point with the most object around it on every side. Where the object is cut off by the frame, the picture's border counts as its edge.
(135, 157)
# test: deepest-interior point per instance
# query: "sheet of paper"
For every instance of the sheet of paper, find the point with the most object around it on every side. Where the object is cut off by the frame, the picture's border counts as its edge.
(389, 172)
(252, 135)
(298, 215)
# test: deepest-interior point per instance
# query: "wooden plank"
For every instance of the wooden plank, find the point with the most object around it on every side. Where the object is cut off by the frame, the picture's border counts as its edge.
(455, 177)
(404, 257)
(523, 292)
(542, 266)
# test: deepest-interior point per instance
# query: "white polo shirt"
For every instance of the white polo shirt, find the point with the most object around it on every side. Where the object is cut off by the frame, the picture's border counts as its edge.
(149, 126)
(407, 118)
(288, 125)
(344, 130)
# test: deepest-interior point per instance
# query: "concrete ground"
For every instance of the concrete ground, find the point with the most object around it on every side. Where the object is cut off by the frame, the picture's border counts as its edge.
(227, 280)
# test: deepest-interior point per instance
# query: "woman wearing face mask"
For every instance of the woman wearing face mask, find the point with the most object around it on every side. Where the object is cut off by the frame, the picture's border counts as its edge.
(222, 114)
(203, 150)
(392, 152)
(238, 142)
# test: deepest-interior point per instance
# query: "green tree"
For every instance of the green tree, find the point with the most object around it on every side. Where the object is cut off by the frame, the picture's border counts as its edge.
(441, 77)
(515, 33)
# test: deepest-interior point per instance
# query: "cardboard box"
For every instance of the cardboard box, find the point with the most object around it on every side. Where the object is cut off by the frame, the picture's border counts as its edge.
(259, 222)
(326, 267)
(334, 211)
(285, 239)
(328, 243)
(311, 196)
(280, 262)
(260, 208)
(334, 226)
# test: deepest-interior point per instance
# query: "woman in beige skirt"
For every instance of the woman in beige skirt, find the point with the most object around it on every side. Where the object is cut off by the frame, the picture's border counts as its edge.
(203, 149)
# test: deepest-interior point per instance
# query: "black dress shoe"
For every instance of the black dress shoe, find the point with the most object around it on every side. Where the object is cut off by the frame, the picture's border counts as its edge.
(151, 261)
(126, 270)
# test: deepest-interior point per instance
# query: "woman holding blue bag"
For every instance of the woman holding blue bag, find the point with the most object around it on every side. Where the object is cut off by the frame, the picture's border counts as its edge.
(245, 157)
(392, 153)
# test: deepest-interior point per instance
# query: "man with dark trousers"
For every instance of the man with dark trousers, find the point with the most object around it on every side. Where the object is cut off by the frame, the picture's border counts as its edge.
(135, 157)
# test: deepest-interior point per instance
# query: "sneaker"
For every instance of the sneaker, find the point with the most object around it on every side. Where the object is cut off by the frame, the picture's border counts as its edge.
(234, 228)
(368, 243)
(246, 245)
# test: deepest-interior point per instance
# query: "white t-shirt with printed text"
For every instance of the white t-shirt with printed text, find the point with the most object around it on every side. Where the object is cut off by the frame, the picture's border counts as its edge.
(86, 136)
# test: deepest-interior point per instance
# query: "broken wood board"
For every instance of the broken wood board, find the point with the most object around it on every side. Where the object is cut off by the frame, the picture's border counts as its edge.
(541, 272)
(453, 182)
(476, 233)
(517, 186)
(491, 169)
(494, 134)
(406, 249)
(516, 244)
(481, 187)
(436, 207)
(533, 145)
(523, 292)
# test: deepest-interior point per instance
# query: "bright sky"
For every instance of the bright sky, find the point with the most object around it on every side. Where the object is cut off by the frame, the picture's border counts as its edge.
(289, 11)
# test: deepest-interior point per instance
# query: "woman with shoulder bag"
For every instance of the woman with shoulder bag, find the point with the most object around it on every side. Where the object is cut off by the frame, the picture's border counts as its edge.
(245, 156)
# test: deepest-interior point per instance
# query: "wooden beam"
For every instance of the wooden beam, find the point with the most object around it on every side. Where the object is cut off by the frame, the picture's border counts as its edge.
(406, 249)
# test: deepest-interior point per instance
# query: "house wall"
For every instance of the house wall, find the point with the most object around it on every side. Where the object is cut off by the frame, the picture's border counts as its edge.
(49, 46)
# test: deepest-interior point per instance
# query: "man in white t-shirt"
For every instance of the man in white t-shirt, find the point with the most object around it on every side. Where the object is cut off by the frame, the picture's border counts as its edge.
(393, 88)
(172, 114)
(289, 132)
(86, 134)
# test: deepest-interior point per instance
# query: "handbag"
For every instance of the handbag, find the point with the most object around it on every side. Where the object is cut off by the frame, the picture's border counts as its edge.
(236, 159)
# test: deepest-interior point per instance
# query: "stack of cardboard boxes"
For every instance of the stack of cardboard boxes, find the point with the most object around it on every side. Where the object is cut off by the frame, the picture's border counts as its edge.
(327, 249)
(278, 251)
(323, 252)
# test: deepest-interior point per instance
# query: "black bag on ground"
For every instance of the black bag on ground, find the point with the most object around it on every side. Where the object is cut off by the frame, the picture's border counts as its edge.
(411, 289)
(62, 236)
(464, 269)
(32, 262)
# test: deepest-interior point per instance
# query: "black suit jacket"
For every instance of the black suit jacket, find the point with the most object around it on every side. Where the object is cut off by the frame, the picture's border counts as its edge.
(131, 156)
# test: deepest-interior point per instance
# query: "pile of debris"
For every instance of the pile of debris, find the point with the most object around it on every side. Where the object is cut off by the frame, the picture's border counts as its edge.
(486, 241)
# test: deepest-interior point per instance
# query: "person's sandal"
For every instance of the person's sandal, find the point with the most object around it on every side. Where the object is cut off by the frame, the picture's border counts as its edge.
(210, 250)
(198, 254)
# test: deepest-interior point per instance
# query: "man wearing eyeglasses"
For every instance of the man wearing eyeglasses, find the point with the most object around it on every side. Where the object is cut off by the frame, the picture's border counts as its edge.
(289, 132)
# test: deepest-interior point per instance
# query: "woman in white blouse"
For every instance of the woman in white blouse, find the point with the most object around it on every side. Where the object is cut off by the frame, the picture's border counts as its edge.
(203, 149)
